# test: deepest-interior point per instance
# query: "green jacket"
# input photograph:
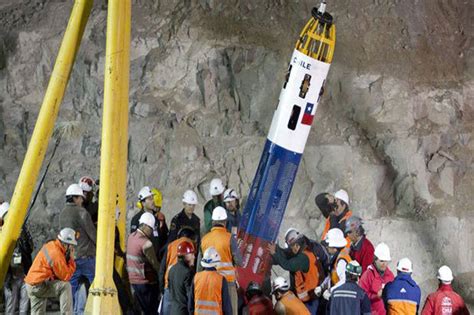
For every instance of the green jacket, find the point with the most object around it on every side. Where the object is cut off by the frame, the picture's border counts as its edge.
(208, 208)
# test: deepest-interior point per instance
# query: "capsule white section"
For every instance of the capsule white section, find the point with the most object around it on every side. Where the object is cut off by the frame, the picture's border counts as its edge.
(298, 102)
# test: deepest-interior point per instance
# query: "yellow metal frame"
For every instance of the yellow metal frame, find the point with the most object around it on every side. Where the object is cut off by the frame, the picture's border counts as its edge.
(42, 133)
(103, 293)
(317, 40)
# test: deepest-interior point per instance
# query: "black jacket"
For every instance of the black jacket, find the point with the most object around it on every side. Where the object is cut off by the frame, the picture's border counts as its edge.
(181, 220)
(180, 279)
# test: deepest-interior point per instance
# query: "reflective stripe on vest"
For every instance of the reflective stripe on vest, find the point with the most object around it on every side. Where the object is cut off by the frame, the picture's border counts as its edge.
(343, 254)
(306, 281)
(48, 258)
(219, 238)
(208, 292)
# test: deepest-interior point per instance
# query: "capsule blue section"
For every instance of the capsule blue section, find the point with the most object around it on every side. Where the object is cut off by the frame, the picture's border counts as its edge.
(271, 188)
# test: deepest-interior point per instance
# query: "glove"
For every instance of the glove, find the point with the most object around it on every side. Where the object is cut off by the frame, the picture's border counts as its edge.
(318, 291)
(326, 295)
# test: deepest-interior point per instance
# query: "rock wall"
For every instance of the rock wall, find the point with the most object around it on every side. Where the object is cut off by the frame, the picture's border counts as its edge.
(395, 127)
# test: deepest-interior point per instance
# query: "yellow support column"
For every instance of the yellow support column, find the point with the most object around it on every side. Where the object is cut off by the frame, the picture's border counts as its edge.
(103, 293)
(42, 133)
(123, 146)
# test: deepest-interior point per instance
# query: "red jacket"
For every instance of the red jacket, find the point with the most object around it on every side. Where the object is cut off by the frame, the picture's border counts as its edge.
(363, 252)
(444, 302)
(371, 281)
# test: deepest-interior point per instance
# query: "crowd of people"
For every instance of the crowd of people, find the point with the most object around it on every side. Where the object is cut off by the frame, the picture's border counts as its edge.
(190, 268)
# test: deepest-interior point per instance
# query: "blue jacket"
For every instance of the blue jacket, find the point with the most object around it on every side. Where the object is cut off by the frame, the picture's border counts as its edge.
(402, 295)
(349, 299)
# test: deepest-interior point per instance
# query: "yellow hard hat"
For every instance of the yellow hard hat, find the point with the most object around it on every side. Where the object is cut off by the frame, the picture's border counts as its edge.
(157, 198)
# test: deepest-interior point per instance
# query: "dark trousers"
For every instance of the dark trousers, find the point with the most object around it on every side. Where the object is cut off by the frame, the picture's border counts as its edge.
(147, 296)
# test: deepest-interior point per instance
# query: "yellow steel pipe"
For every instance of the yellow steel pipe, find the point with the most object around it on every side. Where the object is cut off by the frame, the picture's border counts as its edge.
(103, 294)
(42, 133)
(123, 146)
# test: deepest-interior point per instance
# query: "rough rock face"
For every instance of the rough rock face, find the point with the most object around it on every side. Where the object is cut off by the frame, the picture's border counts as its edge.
(395, 128)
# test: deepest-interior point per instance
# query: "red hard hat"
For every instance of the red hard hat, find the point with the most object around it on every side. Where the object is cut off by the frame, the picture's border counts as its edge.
(184, 248)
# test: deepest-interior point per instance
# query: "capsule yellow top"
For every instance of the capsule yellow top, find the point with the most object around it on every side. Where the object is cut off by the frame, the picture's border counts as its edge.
(318, 38)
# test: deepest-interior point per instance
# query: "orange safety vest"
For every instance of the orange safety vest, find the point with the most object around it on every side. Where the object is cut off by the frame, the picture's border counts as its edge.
(305, 282)
(219, 238)
(208, 292)
(327, 227)
(293, 305)
(172, 255)
(343, 254)
(50, 264)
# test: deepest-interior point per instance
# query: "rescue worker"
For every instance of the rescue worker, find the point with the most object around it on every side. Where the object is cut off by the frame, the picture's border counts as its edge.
(50, 273)
(146, 203)
(375, 278)
(361, 248)
(257, 302)
(142, 265)
(77, 218)
(226, 246)
(216, 189)
(87, 185)
(14, 286)
(287, 303)
(444, 300)
(209, 293)
(186, 218)
(402, 296)
(341, 212)
(170, 257)
(303, 267)
(339, 258)
(232, 205)
(349, 298)
(181, 277)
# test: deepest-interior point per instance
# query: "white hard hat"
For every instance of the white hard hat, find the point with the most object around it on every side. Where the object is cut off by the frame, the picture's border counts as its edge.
(148, 219)
(445, 274)
(74, 190)
(230, 195)
(292, 235)
(342, 195)
(405, 265)
(86, 183)
(144, 193)
(382, 252)
(335, 238)
(216, 187)
(211, 258)
(219, 214)
(280, 283)
(68, 236)
(190, 197)
(4, 209)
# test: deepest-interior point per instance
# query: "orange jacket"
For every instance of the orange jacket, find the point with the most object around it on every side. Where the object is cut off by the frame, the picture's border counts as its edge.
(50, 264)
(208, 292)
(172, 255)
(305, 282)
(291, 304)
(343, 254)
(219, 238)
(328, 226)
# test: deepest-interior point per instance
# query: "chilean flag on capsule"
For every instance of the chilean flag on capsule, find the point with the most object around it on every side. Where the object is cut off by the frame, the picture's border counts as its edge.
(308, 116)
